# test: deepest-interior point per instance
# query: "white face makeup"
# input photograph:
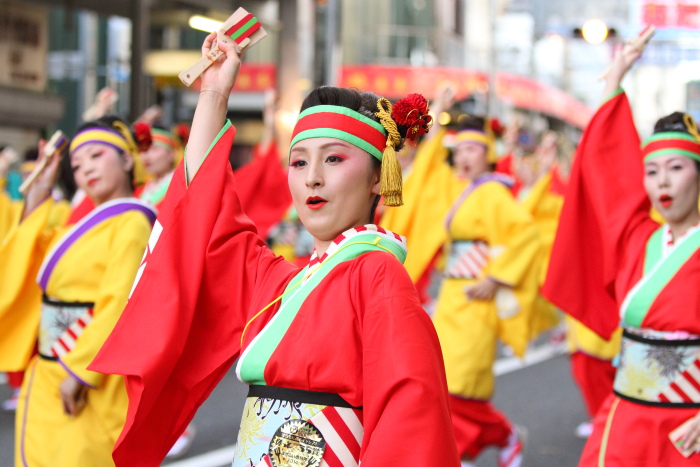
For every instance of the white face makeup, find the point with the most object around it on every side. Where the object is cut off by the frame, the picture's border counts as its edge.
(158, 160)
(101, 171)
(672, 183)
(470, 159)
(333, 185)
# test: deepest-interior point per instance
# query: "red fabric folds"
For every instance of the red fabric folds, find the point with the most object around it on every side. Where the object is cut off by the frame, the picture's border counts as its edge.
(81, 210)
(477, 425)
(605, 203)
(595, 379)
(263, 189)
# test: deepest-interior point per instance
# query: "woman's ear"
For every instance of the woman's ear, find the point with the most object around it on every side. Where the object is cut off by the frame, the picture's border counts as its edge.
(127, 162)
(376, 179)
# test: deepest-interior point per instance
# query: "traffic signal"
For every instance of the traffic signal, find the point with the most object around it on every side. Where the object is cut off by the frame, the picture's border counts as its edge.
(594, 31)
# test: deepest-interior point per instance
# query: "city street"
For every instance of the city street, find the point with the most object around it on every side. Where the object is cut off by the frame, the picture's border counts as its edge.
(541, 397)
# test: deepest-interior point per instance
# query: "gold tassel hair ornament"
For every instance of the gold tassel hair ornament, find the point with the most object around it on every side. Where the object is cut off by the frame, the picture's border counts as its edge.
(692, 127)
(391, 181)
(126, 133)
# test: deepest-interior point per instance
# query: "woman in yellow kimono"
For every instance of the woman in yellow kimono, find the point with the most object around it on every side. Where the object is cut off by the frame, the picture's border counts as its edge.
(71, 284)
(9, 208)
(591, 356)
(490, 286)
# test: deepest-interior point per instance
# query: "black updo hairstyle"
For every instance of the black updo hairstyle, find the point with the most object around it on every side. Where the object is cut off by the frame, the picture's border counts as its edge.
(674, 122)
(107, 122)
(365, 103)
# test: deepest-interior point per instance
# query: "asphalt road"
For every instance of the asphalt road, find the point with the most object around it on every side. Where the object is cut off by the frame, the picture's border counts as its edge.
(541, 397)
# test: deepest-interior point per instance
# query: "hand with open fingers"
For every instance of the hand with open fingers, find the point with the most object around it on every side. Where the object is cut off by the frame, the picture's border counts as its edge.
(221, 75)
(691, 439)
(444, 99)
(484, 290)
(622, 62)
(73, 396)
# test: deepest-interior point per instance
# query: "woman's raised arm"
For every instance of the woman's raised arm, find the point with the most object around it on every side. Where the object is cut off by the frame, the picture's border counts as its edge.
(210, 114)
(622, 62)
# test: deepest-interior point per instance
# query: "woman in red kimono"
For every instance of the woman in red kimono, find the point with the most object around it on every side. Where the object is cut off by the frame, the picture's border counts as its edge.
(610, 256)
(343, 363)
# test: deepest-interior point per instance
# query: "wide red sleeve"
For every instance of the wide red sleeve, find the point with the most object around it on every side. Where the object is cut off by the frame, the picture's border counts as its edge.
(263, 188)
(181, 330)
(406, 407)
(605, 210)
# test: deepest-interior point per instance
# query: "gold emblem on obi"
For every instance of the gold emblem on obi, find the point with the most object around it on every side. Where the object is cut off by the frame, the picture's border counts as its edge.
(297, 443)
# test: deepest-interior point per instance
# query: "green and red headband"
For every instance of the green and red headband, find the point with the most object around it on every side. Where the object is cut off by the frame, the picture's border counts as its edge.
(339, 122)
(379, 139)
(671, 142)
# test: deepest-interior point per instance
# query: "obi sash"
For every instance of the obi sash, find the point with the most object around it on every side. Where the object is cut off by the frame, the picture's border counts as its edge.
(659, 368)
(61, 325)
(98, 215)
(466, 259)
(661, 263)
(291, 427)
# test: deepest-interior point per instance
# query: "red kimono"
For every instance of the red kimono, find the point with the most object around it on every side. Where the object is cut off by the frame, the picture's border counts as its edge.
(209, 286)
(598, 258)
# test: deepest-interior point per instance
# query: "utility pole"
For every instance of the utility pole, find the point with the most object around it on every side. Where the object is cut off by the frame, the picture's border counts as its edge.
(140, 21)
(296, 62)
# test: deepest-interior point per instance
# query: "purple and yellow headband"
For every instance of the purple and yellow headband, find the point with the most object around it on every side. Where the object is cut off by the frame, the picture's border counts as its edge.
(480, 137)
(99, 135)
(119, 137)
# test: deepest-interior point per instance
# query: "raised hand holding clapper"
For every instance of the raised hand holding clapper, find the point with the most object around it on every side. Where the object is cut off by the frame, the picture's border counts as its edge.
(241, 28)
(635, 45)
(56, 144)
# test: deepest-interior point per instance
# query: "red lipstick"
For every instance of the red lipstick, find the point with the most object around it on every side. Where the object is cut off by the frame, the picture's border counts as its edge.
(666, 201)
(92, 182)
(315, 202)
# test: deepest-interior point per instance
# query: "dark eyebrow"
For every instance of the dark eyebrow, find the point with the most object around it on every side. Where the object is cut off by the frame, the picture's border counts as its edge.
(338, 143)
(674, 159)
(324, 146)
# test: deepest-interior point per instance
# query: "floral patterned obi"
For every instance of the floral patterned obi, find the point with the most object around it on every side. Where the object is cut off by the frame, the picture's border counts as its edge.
(659, 368)
(291, 427)
(60, 326)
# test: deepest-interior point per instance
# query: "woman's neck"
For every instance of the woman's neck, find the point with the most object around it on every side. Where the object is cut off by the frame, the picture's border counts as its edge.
(160, 177)
(124, 192)
(474, 178)
(680, 227)
(321, 246)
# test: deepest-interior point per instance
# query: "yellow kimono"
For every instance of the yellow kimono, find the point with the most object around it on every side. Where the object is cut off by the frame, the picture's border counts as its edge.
(429, 190)
(9, 213)
(545, 207)
(579, 338)
(86, 274)
(491, 235)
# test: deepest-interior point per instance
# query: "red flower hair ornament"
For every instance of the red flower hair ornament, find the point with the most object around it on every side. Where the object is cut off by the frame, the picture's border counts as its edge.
(143, 136)
(411, 115)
